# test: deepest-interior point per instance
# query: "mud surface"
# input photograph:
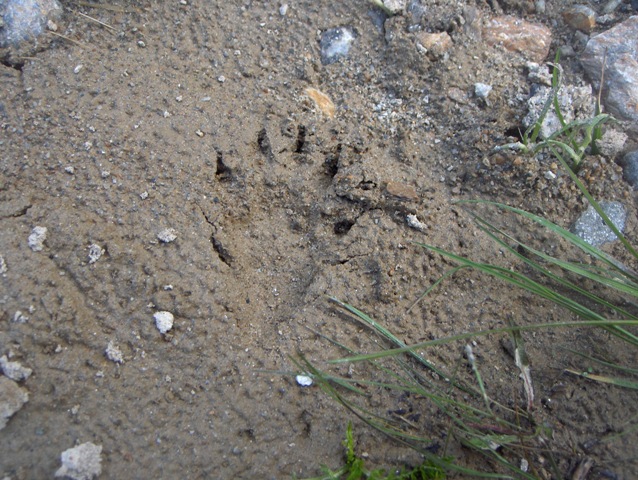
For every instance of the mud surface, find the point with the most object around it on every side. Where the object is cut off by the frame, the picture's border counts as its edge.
(193, 116)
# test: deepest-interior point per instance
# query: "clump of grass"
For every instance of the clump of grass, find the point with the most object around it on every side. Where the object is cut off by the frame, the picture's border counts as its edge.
(355, 468)
(573, 139)
(510, 438)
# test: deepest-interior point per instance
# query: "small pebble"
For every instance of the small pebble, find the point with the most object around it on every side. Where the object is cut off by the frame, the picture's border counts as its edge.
(481, 90)
(304, 380)
(611, 6)
(335, 44)
(167, 235)
(580, 17)
(19, 317)
(14, 370)
(283, 10)
(591, 228)
(113, 353)
(12, 397)
(630, 168)
(414, 222)
(37, 238)
(3, 266)
(81, 462)
(95, 252)
(164, 321)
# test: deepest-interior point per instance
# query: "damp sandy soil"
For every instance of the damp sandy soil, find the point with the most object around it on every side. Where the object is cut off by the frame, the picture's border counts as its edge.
(193, 116)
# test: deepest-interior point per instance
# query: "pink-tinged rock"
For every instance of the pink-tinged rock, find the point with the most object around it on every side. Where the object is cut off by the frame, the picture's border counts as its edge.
(580, 17)
(617, 49)
(402, 191)
(435, 44)
(531, 40)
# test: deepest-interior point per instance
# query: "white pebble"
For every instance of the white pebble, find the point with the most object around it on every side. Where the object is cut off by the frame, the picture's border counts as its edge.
(19, 317)
(481, 90)
(37, 238)
(14, 370)
(415, 223)
(304, 380)
(113, 353)
(164, 321)
(283, 10)
(167, 235)
(95, 252)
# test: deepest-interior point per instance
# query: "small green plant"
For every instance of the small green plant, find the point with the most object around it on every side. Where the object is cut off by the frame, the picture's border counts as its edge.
(355, 469)
(574, 139)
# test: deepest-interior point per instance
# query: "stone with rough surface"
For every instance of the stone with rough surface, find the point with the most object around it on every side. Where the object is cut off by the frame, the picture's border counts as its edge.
(630, 168)
(12, 397)
(580, 17)
(531, 40)
(81, 462)
(435, 45)
(14, 370)
(591, 227)
(617, 49)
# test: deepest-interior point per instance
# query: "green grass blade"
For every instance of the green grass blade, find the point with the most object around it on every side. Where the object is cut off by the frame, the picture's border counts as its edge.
(619, 382)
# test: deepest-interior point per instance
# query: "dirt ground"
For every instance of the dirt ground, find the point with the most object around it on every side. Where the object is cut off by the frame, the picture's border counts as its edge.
(193, 116)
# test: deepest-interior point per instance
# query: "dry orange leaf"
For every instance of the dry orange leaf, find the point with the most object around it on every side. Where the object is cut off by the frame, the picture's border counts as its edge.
(322, 100)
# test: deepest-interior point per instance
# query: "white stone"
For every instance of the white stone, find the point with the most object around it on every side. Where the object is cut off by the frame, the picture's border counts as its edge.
(482, 90)
(37, 238)
(414, 222)
(3, 266)
(167, 235)
(395, 7)
(164, 321)
(95, 252)
(304, 380)
(113, 353)
(19, 317)
(81, 462)
(14, 370)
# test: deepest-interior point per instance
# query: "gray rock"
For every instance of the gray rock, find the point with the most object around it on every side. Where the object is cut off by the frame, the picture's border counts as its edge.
(12, 397)
(482, 90)
(617, 49)
(394, 7)
(81, 462)
(335, 43)
(575, 103)
(14, 370)
(612, 142)
(629, 165)
(22, 22)
(591, 228)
